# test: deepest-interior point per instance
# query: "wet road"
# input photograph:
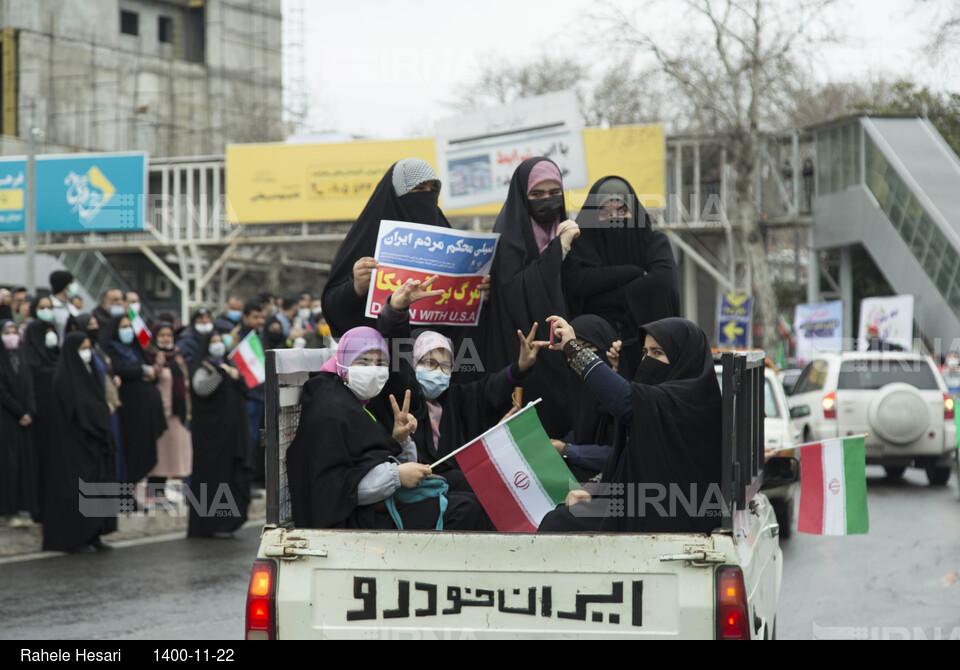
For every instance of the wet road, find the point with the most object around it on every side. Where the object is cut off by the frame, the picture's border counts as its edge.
(901, 580)
(177, 589)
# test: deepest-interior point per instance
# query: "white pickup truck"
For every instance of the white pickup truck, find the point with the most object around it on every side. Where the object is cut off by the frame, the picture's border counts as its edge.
(323, 584)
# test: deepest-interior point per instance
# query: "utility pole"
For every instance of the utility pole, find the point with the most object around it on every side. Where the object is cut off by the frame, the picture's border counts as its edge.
(30, 225)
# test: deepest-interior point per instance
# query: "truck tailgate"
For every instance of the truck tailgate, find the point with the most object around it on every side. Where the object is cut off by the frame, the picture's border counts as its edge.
(473, 585)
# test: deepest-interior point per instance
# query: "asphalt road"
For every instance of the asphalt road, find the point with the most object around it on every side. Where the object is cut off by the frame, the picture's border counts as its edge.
(901, 580)
(176, 589)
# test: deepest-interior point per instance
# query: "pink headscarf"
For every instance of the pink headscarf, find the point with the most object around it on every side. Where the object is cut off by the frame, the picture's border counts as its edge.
(541, 172)
(352, 345)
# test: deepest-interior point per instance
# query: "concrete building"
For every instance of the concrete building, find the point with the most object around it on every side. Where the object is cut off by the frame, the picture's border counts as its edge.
(169, 77)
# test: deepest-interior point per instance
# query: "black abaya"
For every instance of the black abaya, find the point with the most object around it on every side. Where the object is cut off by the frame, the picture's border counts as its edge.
(141, 408)
(526, 288)
(82, 450)
(41, 361)
(621, 270)
(342, 308)
(18, 465)
(221, 452)
(674, 444)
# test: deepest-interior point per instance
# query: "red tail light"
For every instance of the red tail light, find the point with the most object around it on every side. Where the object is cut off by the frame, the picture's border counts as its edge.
(261, 608)
(948, 406)
(830, 406)
(733, 617)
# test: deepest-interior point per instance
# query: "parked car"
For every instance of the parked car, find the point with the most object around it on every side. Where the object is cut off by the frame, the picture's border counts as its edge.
(788, 379)
(897, 398)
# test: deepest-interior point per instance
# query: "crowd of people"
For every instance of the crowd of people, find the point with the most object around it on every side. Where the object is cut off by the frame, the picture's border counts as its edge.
(582, 314)
(90, 406)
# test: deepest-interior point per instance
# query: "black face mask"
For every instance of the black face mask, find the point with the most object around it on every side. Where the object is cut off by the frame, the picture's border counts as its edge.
(546, 210)
(423, 207)
(93, 334)
(652, 372)
(274, 338)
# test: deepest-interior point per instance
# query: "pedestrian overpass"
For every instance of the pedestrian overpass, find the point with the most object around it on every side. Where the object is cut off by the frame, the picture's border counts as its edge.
(893, 186)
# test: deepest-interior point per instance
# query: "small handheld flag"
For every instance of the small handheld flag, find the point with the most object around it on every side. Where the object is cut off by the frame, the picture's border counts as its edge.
(515, 472)
(249, 359)
(139, 328)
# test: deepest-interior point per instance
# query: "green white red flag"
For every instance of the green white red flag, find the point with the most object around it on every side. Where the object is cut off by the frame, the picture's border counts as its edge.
(249, 359)
(515, 472)
(833, 488)
(139, 328)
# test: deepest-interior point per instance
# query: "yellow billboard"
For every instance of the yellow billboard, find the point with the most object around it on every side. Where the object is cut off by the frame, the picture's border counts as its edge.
(283, 183)
(287, 183)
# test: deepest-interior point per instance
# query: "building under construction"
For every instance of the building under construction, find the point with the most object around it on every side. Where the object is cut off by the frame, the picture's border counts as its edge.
(169, 77)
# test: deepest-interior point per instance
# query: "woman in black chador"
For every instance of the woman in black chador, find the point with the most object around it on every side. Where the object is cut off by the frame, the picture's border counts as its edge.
(18, 466)
(82, 450)
(222, 464)
(672, 408)
(620, 268)
(409, 191)
(535, 238)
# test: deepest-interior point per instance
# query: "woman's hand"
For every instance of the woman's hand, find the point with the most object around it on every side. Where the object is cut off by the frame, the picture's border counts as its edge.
(577, 496)
(404, 423)
(412, 474)
(528, 349)
(614, 355)
(25, 420)
(362, 271)
(231, 371)
(413, 290)
(513, 410)
(558, 445)
(568, 231)
(562, 332)
(484, 287)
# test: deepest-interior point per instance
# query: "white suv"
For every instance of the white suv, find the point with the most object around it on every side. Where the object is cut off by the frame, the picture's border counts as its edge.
(898, 399)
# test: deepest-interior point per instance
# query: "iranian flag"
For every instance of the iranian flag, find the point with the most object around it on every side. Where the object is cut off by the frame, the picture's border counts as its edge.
(248, 357)
(516, 473)
(833, 488)
(139, 328)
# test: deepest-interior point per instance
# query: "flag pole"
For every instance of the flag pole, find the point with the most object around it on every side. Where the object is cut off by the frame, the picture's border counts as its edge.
(454, 453)
(814, 444)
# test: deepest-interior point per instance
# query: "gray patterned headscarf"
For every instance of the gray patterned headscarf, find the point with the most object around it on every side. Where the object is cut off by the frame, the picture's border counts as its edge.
(411, 172)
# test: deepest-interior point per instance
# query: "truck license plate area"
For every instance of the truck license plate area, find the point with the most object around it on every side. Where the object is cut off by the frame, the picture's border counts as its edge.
(456, 604)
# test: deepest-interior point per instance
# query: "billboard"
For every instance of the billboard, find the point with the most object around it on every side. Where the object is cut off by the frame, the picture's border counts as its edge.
(274, 183)
(289, 183)
(478, 153)
(734, 320)
(76, 193)
(818, 327)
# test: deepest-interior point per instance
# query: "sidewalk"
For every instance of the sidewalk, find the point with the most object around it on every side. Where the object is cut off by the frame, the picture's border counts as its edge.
(19, 541)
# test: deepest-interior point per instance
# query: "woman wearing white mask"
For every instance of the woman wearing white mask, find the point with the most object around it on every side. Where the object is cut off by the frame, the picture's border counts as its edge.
(18, 467)
(222, 460)
(345, 464)
(450, 414)
(141, 407)
(40, 351)
(82, 450)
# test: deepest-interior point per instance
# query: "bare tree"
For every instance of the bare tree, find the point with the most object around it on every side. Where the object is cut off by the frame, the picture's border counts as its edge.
(622, 95)
(735, 74)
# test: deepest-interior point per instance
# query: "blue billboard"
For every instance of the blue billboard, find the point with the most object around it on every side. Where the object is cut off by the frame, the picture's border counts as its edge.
(76, 193)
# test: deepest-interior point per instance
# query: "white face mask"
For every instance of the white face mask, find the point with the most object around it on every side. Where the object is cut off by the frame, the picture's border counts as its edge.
(86, 355)
(135, 306)
(299, 343)
(50, 339)
(204, 328)
(217, 349)
(367, 381)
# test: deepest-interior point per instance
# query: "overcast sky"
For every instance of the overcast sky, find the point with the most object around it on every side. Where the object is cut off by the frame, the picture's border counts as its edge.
(386, 68)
